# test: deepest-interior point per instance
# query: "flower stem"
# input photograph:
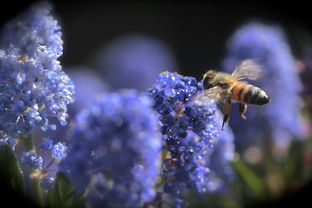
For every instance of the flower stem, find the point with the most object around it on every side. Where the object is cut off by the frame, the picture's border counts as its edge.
(29, 143)
(34, 174)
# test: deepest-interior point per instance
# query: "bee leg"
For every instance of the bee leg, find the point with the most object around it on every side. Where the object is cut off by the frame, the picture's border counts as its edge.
(227, 111)
(242, 110)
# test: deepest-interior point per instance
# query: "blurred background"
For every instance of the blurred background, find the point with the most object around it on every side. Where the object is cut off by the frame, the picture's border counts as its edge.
(116, 45)
(196, 33)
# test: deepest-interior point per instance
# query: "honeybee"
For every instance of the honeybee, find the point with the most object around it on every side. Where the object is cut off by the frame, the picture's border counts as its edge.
(223, 88)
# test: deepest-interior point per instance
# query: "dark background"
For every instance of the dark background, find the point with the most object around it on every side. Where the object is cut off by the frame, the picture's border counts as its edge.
(196, 32)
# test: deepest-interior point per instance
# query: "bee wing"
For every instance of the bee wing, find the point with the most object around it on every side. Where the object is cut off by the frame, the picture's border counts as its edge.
(247, 69)
(212, 94)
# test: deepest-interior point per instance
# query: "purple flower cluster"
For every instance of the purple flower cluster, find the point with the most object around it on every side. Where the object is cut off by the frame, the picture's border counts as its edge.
(222, 156)
(190, 139)
(134, 61)
(32, 160)
(57, 153)
(82, 77)
(6, 139)
(118, 143)
(280, 119)
(33, 87)
(47, 182)
(88, 85)
(114, 151)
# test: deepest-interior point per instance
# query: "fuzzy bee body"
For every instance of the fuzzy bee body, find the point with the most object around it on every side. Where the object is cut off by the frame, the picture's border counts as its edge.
(224, 88)
(249, 94)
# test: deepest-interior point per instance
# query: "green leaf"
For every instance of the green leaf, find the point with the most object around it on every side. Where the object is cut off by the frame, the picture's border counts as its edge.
(214, 200)
(292, 167)
(254, 185)
(63, 195)
(10, 171)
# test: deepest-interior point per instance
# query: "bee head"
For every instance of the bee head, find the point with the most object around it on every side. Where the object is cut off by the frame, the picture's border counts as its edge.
(207, 79)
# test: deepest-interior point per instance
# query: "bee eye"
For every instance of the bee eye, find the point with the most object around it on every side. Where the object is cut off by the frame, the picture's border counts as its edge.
(223, 85)
(208, 79)
(207, 84)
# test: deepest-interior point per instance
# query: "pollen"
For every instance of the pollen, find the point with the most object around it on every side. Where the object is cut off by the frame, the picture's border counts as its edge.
(28, 109)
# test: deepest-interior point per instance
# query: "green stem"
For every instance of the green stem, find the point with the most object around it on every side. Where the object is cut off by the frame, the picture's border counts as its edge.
(29, 144)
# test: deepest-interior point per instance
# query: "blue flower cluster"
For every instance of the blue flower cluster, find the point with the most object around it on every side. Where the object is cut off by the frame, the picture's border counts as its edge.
(114, 151)
(190, 133)
(82, 77)
(32, 160)
(5, 139)
(173, 94)
(134, 57)
(33, 87)
(280, 119)
(46, 144)
(57, 152)
(47, 182)
(117, 144)
(222, 157)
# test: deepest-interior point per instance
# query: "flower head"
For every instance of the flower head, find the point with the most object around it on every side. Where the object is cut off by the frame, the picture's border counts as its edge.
(114, 151)
(173, 94)
(46, 161)
(5, 139)
(47, 182)
(134, 61)
(190, 138)
(280, 119)
(84, 97)
(59, 151)
(82, 77)
(32, 159)
(34, 33)
(45, 144)
(33, 86)
(222, 157)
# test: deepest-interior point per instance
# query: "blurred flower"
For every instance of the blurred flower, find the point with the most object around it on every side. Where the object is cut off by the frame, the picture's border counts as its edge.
(279, 119)
(307, 59)
(5, 139)
(134, 61)
(47, 161)
(88, 85)
(58, 151)
(114, 150)
(33, 86)
(46, 144)
(193, 152)
(47, 182)
(32, 159)
(223, 155)
(304, 67)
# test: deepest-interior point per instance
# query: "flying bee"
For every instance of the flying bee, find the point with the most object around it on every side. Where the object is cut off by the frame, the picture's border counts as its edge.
(223, 88)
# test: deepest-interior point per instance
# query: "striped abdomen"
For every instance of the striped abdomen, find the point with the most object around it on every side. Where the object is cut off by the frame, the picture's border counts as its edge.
(249, 94)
